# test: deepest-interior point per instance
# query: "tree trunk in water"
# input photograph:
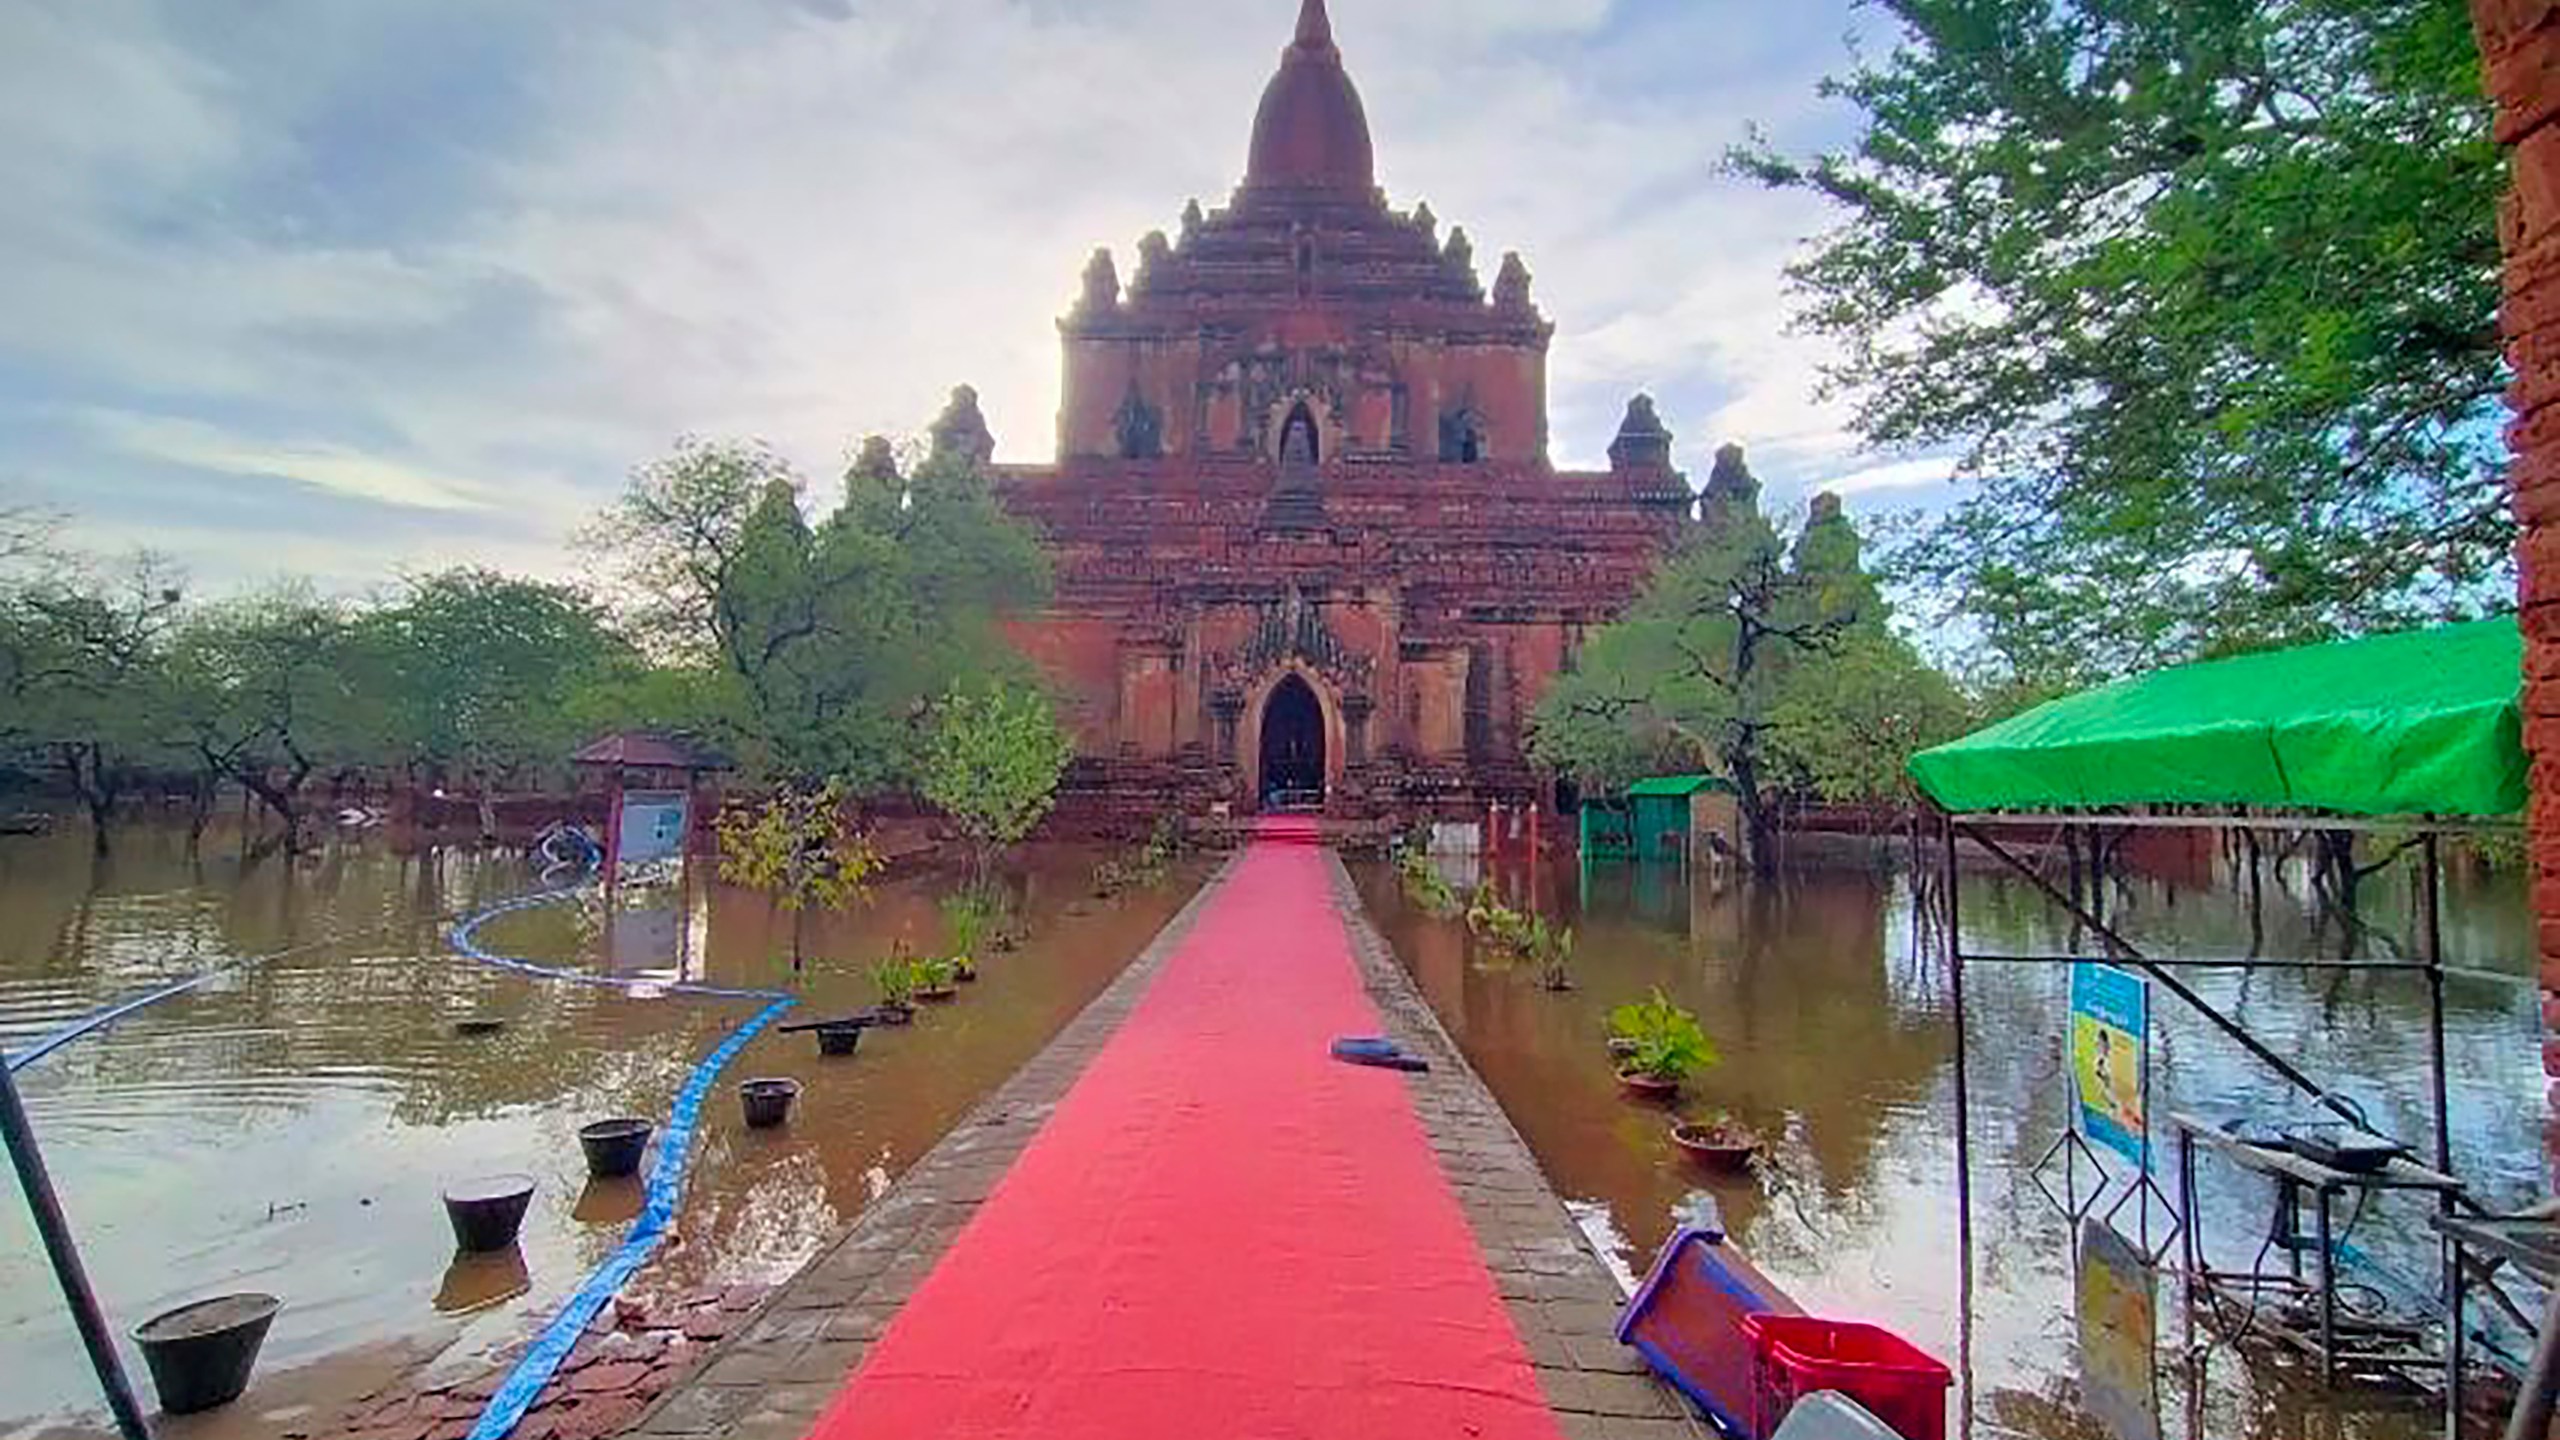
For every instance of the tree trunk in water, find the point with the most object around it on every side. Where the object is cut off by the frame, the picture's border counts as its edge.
(84, 766)
(1759, 827)
(282, 800)
(200, 797)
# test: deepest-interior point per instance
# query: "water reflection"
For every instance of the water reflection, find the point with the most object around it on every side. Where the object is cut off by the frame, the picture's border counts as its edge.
(473, 1283)
(289, 1126)
(1837, 1040)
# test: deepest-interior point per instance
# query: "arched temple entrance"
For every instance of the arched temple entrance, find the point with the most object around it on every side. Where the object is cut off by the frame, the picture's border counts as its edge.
(1301, 443)
(1293, 748)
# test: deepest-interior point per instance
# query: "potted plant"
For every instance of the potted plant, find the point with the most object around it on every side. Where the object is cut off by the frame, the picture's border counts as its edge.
(968, 916)
(936, 980)
(801, 851)
(1507, 934)
(1423, 881)
(1717, 1140)
(895, 980)
(1669, 1046)
(1551, 947)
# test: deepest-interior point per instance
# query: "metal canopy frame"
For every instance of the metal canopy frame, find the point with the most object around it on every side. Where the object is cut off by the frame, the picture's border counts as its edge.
(2116, 949)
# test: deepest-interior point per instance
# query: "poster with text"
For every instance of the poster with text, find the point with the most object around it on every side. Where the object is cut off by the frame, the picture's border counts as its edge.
(2118, 1307)
(2110, 1034)
(653, 826)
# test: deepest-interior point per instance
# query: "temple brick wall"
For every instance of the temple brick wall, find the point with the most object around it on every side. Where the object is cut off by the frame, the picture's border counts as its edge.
(1310, 545)
(2520, 46)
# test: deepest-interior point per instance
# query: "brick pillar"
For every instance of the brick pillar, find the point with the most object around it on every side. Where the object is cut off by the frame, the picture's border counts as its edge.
(2520, 47)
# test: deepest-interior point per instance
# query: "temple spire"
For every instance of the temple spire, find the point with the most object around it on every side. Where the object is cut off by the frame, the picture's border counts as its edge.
(1315, 27)
(1311, 133)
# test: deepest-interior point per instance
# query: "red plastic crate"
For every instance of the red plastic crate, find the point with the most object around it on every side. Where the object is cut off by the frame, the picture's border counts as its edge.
(1794, 1356)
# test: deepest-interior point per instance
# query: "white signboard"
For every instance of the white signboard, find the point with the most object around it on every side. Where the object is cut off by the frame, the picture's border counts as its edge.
(653, 824)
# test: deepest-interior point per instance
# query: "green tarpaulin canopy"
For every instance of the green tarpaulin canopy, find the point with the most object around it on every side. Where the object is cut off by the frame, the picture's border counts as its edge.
(2424, 722)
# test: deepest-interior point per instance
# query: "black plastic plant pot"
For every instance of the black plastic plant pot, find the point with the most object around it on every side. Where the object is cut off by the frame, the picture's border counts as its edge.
(614, 1147)
(768, 1102)
(838, 1039)
(201, 1355)
(894, 1012)
(488, 1212)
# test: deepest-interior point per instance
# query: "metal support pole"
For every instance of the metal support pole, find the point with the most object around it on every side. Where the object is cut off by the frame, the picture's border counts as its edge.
(2328, 1297)
(1964, 1094)
(2190, 1243)
(2431, 950)
(20, 1134)
(1964, 1128)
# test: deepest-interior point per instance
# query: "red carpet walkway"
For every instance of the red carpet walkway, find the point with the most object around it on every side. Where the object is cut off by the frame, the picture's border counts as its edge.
(1221, 1231)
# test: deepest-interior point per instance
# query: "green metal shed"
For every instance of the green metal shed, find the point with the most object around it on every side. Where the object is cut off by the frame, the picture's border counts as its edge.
(1652, 821)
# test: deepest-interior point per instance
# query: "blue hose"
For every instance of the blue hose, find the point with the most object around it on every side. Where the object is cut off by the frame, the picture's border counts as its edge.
(100, 1019)
(524, 1384)
(586, 860)
(464, 937)
(534, 1370)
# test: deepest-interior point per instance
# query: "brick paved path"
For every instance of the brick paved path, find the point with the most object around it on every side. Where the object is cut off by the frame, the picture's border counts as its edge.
(773, 1377)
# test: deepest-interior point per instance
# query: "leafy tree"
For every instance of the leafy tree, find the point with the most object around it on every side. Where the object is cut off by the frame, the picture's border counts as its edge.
(81, 664)
(270, 689)
(480, 675)
(823, 642)
(27, 536)
(1705, 655)
(676, 536)
(2203, 293)
(798, 848)
(994, 765)
(1843, 728)
(1774, 665)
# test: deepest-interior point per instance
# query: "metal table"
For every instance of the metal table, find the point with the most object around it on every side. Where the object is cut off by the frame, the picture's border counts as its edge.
(2531, 1244)
(2395, 1348)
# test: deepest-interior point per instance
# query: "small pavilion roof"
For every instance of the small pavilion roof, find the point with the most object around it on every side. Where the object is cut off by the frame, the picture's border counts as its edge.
(650, 750)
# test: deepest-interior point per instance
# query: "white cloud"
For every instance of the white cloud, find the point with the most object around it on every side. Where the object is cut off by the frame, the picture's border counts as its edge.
(613, 227)
(336, 469)
(1896, 475)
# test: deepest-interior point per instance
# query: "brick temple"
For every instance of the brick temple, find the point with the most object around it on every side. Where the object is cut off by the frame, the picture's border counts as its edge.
(1311, 551)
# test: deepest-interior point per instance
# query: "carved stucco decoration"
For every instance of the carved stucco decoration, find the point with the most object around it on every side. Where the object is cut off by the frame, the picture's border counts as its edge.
(1291, 628)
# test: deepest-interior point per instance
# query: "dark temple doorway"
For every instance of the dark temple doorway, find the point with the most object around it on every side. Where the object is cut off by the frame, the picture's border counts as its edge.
(1292, 748)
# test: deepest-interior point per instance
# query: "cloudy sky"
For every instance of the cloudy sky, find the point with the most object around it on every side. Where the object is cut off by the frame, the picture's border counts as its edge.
(350, 288)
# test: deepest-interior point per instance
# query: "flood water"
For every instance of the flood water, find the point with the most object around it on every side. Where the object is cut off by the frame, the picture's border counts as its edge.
(1837, 1043)
(289, 1127)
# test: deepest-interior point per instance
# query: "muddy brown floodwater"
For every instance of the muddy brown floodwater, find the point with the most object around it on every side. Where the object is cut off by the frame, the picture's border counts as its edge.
(1837, 1043)
(288, 1127)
